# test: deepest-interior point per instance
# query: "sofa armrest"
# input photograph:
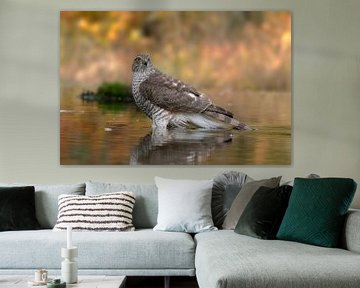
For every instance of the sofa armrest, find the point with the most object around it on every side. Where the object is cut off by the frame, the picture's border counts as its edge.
(351, 234)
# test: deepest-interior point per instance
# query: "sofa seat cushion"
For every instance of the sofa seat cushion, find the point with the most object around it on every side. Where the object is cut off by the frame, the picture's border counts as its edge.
(226, 259)
(142, 249)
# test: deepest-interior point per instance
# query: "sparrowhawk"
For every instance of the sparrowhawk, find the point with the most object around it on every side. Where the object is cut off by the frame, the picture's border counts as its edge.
(172, 103)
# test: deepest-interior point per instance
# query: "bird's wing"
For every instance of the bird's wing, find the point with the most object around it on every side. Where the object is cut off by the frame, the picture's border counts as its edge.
(172, 94)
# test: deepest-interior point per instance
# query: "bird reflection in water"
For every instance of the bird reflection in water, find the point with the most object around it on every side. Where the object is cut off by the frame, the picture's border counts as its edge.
(179, 146)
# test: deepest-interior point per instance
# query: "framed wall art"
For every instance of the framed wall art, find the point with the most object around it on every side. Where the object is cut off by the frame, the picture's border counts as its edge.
(175, 88)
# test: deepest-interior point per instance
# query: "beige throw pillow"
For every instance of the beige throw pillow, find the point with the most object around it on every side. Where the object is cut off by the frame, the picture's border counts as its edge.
(243, 198)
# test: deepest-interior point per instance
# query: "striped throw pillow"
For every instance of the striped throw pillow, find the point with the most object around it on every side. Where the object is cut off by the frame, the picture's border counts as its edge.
(105, 212)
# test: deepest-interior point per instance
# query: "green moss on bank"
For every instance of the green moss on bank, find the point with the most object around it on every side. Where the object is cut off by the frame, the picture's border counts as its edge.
(110, 92)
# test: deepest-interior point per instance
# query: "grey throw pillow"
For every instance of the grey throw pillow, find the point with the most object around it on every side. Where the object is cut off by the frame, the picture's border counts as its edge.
(226, 187)
(184, 205)
(242, 199)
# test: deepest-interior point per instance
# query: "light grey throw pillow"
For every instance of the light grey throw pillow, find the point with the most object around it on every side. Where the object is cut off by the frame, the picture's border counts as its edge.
(243, 198)
(184, 205)
(46, 200)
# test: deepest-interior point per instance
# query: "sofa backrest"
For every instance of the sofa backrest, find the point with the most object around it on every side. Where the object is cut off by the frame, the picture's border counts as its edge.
(351, 237)
(146, 203)
(46, 200)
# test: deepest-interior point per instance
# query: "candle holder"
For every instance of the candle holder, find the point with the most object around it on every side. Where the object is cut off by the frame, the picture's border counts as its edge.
(68, 265)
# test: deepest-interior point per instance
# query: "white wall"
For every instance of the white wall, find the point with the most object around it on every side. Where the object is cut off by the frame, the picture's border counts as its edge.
(326, 91)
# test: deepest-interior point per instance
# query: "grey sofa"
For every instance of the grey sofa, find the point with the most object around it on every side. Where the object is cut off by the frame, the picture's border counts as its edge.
(218, 259)
(142, 252)
(226, 259)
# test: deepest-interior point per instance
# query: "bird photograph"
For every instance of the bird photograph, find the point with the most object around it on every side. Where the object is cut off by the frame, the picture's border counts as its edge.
(169, 102)
(175, 88)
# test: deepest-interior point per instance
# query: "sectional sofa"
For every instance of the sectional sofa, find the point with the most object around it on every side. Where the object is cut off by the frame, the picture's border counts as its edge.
(219, 259)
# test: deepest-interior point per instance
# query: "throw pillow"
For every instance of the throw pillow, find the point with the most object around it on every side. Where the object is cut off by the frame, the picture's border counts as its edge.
(226, 187)
(106, 212)
(243, 198)
(46, 200)
(184, 205)
(263, 215)
(317, 209)
(17, 209)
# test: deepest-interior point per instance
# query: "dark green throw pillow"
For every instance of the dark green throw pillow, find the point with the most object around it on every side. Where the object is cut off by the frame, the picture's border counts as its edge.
(17, 208)
(263, 214)
(316, 211)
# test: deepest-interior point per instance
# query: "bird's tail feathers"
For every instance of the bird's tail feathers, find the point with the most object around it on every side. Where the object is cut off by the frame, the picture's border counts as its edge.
(194, 121)
(206, 120)
(232, 122)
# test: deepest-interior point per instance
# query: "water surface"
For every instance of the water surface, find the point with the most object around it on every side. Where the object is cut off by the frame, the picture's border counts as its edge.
(120, 134)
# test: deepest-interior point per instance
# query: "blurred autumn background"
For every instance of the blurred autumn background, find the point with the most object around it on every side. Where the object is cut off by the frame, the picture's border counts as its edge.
(242, 60)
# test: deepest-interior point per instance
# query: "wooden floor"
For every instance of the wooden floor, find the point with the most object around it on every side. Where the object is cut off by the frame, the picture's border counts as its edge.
(158, 282)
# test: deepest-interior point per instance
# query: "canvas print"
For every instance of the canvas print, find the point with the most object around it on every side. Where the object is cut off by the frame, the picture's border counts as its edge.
(175, 88)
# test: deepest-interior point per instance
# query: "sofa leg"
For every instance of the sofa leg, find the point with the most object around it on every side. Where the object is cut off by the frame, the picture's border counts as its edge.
(167, 282)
